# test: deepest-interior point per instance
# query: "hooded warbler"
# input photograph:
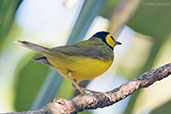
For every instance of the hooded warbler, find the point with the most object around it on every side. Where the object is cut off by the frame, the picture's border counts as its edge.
(84, 60)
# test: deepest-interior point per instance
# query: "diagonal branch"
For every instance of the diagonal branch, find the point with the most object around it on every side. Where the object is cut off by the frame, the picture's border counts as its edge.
(86, 101)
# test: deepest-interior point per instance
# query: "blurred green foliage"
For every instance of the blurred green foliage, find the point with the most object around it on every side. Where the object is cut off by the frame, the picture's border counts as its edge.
(66, 90)
(48, 89)
(28, 81)
(108, 8)
(7, 14)
(163, 109)
(153, 21)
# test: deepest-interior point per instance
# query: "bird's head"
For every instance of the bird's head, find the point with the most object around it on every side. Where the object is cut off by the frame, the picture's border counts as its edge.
(107, 38)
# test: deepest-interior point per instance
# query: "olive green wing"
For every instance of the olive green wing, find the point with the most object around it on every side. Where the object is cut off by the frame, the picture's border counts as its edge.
(93, 48)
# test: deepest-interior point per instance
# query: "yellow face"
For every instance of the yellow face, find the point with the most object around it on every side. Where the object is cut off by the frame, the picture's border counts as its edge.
(110, 40)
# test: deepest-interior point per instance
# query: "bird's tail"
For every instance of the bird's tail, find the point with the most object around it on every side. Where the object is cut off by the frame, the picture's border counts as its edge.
(34, 47)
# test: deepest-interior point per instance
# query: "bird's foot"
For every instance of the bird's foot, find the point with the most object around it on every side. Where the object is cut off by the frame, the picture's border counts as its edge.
(94, 92)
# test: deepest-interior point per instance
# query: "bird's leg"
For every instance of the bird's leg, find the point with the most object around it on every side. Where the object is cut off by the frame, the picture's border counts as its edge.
(75, 85)
(82, 89)
(90, 91)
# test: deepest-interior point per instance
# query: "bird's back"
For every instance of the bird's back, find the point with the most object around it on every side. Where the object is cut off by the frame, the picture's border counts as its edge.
(92, 48)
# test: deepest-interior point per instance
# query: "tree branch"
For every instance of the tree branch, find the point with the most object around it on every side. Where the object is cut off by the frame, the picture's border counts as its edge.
(86, 101)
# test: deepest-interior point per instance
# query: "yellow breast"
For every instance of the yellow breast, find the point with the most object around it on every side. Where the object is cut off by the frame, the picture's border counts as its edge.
(81, 68)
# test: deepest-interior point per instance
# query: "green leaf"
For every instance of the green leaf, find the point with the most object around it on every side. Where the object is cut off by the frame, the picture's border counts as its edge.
(28, 81)
(153, 19)
(66, 91)
(163, 109)
(49, 88)
(7, 13)
(131, 102)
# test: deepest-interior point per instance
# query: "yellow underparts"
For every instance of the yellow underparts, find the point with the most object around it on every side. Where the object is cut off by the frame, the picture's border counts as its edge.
(81, 68)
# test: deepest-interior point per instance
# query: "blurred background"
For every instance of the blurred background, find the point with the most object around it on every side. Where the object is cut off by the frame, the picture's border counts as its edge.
(143, 27)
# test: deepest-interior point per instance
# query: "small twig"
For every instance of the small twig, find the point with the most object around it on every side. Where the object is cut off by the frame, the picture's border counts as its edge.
(86, 101)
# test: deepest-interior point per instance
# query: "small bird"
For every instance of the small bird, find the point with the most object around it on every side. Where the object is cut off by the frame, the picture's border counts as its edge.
(84, 60)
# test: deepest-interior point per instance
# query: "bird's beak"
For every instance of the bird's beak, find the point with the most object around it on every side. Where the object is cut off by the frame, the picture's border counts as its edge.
(117, 43)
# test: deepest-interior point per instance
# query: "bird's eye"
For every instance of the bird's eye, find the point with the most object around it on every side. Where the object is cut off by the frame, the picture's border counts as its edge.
(112, 37)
